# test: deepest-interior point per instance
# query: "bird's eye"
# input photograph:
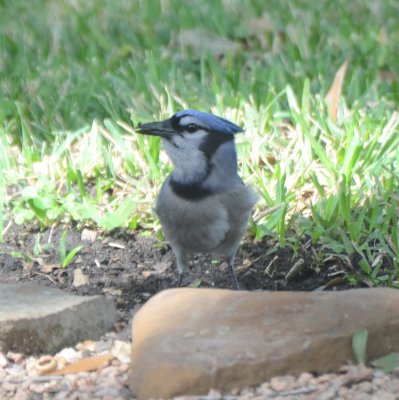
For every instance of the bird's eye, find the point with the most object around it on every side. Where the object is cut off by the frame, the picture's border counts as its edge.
(191, 128)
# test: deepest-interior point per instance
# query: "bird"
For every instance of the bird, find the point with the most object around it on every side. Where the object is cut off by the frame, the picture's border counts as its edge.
(203, 205)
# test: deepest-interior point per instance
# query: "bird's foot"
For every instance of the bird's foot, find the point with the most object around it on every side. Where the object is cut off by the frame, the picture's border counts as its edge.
(237, 285)
(180, 279)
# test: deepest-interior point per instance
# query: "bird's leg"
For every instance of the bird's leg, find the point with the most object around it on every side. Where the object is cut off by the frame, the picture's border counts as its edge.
(181, 260)
(230, 262)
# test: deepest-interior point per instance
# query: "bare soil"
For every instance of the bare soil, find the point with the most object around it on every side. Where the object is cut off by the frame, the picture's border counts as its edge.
(131, 268)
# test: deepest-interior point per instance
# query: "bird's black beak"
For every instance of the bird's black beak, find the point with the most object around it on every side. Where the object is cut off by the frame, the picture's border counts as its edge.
(162, 129)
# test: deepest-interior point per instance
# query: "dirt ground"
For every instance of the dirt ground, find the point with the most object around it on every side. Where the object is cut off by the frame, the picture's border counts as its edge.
(131, 268)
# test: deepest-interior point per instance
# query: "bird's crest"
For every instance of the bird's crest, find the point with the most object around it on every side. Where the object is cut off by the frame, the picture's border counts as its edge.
(211, 122)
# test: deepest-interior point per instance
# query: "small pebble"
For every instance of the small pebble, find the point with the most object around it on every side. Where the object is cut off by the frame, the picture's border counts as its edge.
(305, 378)
(385, 395)
(15, 357)
(324, 378)
(69, 355)
(9, 387)
(3, 360)
(360, 395)
(21, 394)
(282, 383)
(235, 392)
(365, 387)
(265, 390)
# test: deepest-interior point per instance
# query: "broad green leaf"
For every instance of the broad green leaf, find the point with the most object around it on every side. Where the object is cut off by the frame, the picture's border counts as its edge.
(388, 363)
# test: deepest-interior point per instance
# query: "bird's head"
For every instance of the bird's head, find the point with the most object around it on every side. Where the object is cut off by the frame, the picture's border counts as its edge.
(196, 142)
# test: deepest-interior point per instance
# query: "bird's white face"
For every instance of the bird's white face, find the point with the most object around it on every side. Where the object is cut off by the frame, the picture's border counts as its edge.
(190, 131)
(185, 149)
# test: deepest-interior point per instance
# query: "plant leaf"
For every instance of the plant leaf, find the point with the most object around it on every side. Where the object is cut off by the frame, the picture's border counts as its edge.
(387, 363)
(71, 255)
(359, 345)
(334, 94)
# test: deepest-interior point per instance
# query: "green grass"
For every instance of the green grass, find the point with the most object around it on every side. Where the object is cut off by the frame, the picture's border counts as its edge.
(76, 76)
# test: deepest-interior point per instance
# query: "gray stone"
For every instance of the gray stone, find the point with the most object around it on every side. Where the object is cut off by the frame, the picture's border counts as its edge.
(36, 319)
(186, 341)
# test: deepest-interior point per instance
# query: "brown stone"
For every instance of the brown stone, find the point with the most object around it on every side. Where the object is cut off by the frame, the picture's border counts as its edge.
(186, 341)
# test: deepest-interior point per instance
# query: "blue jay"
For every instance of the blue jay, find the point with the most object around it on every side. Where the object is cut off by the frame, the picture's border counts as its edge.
(203, 205)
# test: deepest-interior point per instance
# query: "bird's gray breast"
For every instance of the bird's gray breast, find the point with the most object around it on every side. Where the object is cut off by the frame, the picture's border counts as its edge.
(212, 223)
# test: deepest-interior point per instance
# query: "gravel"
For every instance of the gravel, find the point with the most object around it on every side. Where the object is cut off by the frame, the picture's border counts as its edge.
(26, 378)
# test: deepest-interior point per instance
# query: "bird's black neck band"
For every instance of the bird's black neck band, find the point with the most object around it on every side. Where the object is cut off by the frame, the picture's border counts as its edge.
(192, 190)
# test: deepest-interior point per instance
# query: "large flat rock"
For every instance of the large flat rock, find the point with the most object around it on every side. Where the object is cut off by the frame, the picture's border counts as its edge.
(186, 341)
(36, 319)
